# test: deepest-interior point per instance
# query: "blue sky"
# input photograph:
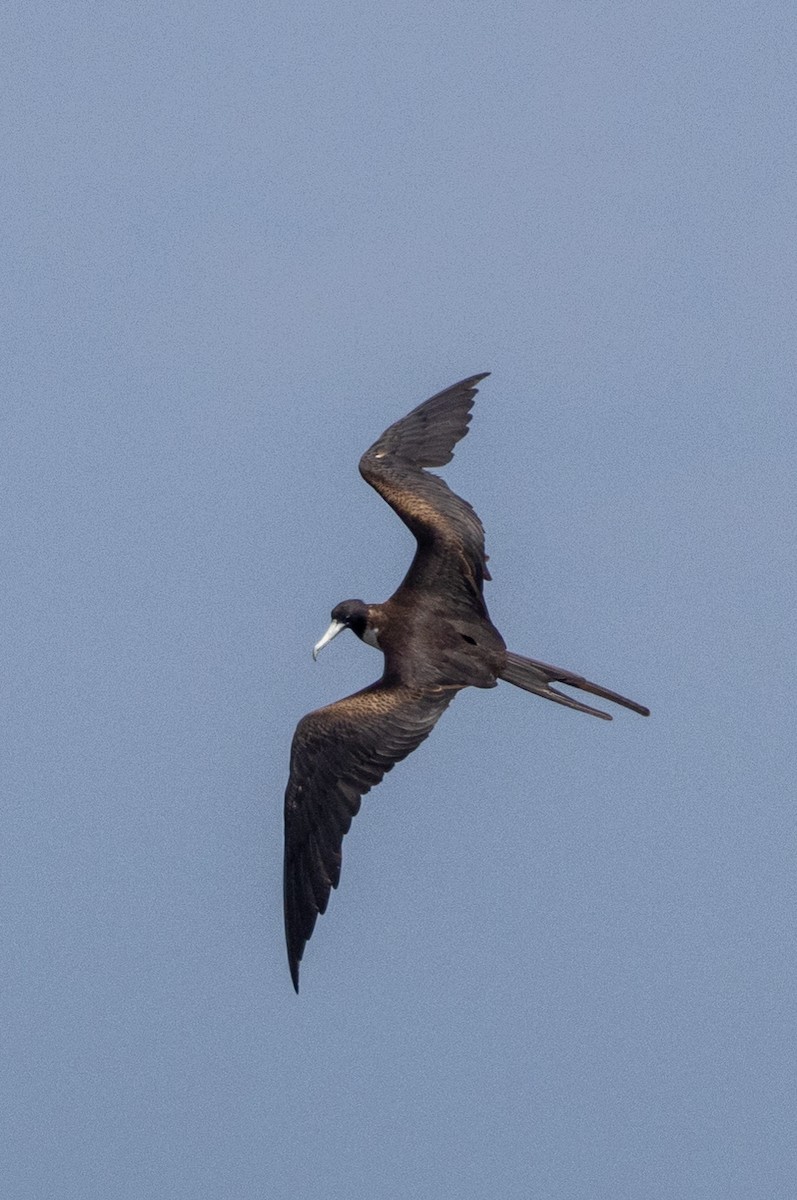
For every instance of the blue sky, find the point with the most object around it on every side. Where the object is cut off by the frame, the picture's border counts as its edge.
(239, 242)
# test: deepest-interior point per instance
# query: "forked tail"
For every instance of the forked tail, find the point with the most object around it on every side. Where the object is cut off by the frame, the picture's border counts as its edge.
(537, 677)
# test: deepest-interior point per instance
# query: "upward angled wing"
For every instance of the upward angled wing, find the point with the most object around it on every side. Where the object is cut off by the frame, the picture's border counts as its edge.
(339, 753)
(450, 557)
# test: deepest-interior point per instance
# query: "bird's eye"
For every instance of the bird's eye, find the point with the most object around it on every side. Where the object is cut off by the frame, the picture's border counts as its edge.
(465, 638)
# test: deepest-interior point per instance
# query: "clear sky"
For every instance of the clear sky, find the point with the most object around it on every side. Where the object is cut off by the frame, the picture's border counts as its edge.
(238, 241)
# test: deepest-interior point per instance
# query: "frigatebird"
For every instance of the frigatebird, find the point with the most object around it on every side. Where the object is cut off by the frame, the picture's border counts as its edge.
(436, 637)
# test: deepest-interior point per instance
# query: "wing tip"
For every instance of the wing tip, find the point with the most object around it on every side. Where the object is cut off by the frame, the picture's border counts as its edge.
(468, 384)
(472, 380)
(293, 965)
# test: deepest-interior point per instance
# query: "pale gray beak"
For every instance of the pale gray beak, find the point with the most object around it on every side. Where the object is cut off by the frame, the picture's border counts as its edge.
(335, 628)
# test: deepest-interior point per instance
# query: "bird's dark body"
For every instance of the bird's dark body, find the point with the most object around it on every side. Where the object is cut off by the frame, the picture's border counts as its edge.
(431, 646)
(436, 637)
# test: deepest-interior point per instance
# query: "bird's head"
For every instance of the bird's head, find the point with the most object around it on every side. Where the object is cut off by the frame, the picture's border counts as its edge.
(349, 614)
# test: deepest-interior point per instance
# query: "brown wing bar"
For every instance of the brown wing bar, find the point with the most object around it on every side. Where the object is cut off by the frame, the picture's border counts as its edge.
(339, 753)
(450, 556)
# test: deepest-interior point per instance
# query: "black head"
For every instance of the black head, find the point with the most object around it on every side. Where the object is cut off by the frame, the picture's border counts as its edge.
(353, 614)
(350, 614)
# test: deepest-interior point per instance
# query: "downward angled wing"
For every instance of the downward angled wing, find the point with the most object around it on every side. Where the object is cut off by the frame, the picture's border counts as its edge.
(339, 753)
(450, 555)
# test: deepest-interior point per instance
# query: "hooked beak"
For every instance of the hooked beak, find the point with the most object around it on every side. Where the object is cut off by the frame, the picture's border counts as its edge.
(335, 628)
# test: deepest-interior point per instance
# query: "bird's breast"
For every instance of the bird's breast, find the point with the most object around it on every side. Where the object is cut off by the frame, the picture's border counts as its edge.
(371, 637)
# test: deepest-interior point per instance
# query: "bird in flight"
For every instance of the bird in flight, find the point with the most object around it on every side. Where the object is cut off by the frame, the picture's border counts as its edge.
(436, 637)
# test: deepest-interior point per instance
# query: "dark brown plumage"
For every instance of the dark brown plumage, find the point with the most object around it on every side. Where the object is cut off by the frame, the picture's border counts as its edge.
(436, 637)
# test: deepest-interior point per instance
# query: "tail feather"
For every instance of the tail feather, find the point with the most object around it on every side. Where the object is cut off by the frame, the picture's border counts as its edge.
(537, 677)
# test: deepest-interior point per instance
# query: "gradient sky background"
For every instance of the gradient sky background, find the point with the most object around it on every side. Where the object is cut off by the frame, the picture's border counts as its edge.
(239, 240)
